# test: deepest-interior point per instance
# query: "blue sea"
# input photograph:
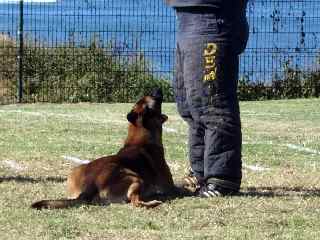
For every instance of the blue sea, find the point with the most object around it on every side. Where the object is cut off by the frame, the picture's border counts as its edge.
(280, 30)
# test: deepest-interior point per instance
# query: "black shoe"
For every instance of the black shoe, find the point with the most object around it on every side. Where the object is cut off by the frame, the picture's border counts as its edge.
(212, 190)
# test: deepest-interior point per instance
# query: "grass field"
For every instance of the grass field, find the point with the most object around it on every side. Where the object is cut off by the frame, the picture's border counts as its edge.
(281, 180)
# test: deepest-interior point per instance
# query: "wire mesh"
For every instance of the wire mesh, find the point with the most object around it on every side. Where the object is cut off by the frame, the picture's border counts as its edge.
(115, 50)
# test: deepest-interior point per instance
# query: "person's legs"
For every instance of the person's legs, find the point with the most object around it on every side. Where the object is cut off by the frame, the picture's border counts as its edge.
(208, 69)
(196, 132)
(213, 102)
(222, 157)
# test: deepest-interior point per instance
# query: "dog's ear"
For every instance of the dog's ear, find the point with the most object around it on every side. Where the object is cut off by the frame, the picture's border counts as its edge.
(157, 95)
(164, 118)
(132, 117)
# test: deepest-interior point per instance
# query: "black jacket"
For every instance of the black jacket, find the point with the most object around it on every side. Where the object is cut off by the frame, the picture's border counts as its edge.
(191, 3)
(235, 5)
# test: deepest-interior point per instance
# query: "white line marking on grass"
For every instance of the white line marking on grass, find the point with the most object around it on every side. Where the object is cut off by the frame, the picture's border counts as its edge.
(19, 111)
(302, 149)
(76, 160)
(81, 118)
(13, 165)
(258, 143)
(170, 130)
(255, 168)
(253, 113)
(174, 166)
(72, 117)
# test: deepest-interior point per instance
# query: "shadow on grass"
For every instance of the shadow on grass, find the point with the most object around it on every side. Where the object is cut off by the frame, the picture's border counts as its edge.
(263, 192)
(280, 191)
(270, 191)
(179, 193)
(27, 179)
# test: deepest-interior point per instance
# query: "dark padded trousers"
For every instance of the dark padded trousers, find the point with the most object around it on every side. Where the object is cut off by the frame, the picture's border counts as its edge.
(209, 42)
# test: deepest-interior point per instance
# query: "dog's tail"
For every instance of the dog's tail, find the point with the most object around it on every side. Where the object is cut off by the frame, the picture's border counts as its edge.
(57, 204)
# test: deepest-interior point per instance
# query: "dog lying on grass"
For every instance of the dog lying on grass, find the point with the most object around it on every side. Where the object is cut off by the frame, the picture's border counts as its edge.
(137, 171)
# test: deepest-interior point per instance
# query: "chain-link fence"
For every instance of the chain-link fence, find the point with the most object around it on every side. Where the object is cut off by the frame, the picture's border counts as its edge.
(115, 50)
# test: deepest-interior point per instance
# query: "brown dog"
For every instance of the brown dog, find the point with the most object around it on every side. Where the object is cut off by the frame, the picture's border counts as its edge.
(135, 172)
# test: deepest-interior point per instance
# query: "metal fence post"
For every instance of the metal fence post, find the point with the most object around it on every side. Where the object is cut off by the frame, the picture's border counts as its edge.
(20, 53)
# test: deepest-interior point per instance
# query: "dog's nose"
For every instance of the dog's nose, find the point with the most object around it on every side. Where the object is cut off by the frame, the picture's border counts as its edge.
(157, 95)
